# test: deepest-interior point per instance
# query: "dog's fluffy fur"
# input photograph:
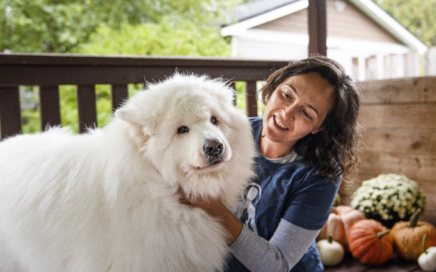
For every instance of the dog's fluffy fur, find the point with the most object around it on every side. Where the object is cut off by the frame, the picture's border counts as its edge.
(107, 200)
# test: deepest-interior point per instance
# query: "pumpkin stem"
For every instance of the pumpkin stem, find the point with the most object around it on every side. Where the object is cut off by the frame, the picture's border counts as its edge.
(414, 218)
(424, 238)
(330, 239)
(382, 233)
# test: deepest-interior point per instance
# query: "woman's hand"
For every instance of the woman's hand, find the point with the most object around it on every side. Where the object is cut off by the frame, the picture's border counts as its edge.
(215, 208)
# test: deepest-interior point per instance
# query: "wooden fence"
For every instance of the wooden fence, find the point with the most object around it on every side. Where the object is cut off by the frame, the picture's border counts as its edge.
(48, 71)
(395, 66)
(399, 120)
(399, 115)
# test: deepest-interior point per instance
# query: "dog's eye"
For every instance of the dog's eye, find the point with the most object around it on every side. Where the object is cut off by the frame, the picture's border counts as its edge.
(183, 129)
(214, 120)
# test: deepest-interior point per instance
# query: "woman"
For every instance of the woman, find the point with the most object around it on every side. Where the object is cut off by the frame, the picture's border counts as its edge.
(307, 141)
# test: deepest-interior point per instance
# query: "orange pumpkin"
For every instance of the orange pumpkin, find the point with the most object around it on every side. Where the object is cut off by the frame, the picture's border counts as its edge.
(370, 242)
(339, 223)
(408, 237)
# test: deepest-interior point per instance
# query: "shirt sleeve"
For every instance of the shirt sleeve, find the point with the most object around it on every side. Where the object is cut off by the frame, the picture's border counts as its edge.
(310, 206)
(281, 253)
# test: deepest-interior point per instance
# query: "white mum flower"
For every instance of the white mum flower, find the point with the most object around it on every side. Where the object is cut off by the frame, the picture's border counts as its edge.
(388, 195)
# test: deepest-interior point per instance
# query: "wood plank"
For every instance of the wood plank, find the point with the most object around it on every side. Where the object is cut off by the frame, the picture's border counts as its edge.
(10, 112)
(251, 99)
(429, 214)
(86, 104)
(400, 90)
(49, 106)
(91, 75)
(349, 264)
(138, 61)
(415, 167)
(395, 264)
(119, 95)
(400, 141)
(410, 116)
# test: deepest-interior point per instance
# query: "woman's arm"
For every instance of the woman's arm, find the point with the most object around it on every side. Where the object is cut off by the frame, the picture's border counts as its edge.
(215, 208)
(281, 253)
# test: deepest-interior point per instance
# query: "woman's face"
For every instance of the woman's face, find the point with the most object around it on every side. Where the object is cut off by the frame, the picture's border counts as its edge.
(297, 107)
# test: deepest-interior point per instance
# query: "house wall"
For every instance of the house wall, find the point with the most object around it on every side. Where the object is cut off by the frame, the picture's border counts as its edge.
(399, 121)
(352, 39)
(343, 20)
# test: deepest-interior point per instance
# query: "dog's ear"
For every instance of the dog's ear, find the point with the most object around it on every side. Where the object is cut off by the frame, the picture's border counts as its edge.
(139, 130)
(126, 115)
(139, 111)
(144, 121)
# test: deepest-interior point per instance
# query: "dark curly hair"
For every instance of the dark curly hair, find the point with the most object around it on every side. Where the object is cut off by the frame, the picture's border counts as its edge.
(334, 147)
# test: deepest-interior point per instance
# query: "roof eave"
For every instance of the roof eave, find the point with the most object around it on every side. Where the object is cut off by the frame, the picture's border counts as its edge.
(384, 20)
(368, 7)
(242, 26)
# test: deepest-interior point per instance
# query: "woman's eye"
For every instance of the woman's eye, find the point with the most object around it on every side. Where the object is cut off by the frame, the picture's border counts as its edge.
(307, 115)
(214, 120)
(183, 129)
(287, 96)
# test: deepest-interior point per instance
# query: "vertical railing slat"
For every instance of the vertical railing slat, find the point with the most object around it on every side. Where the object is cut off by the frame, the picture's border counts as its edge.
(10, 112)
(86, 104)
(233, 86)
(119, 95)
(49, 106)
(251, 99)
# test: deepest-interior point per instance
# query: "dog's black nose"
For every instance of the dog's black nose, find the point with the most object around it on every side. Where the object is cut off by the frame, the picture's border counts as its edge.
(213, 147)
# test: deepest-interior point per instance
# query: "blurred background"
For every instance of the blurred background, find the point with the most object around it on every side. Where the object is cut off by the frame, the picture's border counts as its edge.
(372, 40)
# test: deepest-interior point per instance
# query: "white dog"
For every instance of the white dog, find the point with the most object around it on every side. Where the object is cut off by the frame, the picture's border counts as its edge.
(107, 200)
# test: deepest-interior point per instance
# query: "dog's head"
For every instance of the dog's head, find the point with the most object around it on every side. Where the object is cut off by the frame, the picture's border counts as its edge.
(189, 129)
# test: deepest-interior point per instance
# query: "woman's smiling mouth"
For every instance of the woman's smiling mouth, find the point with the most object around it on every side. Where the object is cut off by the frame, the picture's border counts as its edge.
(278, 123)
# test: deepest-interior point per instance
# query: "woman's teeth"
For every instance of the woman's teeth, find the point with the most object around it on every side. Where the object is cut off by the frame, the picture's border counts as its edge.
(279, 123)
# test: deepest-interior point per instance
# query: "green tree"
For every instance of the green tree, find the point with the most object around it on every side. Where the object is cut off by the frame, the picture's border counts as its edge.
(61, 25)
(418, 16)
(138, 27)
(171, 36)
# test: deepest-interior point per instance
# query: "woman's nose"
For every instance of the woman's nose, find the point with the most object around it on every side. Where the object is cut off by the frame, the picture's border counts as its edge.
(289, 111)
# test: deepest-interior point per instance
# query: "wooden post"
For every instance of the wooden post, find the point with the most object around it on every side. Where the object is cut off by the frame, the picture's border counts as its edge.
(317, 22)
(411, 64)
(430, 62)
(10, 112)
(119, 94)
(87, 108)
(371, 68)
(251, 99)
(49, 106)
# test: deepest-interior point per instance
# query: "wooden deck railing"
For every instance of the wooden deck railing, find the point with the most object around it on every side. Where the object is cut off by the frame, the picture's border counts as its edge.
(48, 71)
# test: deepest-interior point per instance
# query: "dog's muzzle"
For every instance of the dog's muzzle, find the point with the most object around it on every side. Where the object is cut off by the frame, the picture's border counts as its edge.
(214, 150)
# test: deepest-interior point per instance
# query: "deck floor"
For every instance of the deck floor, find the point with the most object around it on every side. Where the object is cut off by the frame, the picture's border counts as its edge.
(395, 264)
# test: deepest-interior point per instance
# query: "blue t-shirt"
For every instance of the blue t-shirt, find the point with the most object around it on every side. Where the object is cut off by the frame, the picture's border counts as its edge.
(289, 191)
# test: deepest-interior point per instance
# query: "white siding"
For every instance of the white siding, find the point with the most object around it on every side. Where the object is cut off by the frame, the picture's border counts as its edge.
(249, 48)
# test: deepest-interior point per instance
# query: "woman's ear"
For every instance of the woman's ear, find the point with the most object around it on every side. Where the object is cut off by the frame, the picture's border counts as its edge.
(315, 131)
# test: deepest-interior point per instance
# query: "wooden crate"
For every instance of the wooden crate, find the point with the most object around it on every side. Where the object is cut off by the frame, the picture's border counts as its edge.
(399, 137)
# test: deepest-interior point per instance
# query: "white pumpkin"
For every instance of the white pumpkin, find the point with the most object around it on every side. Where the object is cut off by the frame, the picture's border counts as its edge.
(427, 259)
(331, 252)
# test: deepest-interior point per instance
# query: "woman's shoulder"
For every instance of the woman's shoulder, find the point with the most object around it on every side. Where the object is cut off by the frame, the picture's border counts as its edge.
(298, 173)
(256, 122)
(310, 173)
